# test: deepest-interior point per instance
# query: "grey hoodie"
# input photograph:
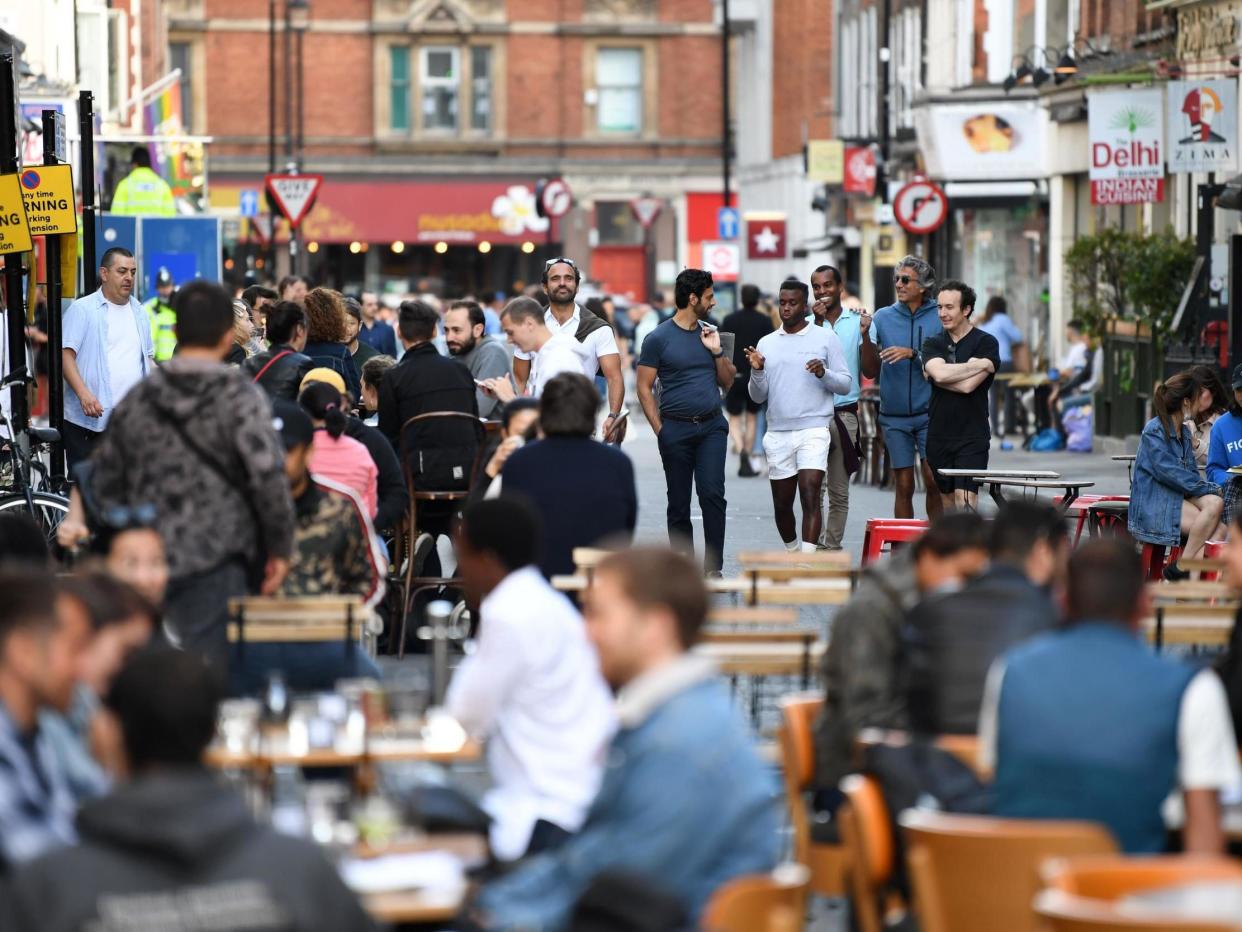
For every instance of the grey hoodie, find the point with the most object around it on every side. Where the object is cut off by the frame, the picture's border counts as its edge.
(171, 850)
(205, 520)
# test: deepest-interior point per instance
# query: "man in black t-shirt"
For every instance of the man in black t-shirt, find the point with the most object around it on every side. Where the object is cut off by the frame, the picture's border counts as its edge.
(960, 364)
(749, 325)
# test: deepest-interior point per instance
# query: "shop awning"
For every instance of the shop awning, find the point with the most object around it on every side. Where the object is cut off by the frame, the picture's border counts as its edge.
(409, 211)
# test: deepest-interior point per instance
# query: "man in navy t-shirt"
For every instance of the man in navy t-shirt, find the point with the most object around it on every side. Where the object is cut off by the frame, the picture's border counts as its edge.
(684, 353)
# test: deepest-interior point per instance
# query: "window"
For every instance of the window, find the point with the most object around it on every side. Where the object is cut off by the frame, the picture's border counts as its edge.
(481, 88)
(181, 55)
(440, 84)
(619, 82)
(399, 88)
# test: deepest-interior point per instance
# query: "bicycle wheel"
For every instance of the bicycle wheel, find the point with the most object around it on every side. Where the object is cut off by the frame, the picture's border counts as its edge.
(49, 511)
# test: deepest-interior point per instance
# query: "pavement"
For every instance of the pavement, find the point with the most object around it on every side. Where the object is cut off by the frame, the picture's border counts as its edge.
(750, 525)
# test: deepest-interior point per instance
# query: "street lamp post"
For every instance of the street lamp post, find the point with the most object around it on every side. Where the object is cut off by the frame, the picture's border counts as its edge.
(297, 15)
(271, 124)
(725, 135)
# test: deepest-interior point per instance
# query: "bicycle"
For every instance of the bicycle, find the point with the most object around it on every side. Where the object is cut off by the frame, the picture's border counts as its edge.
(29, 482)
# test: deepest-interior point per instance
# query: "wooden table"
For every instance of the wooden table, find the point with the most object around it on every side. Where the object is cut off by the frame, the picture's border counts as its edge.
(1191, 624)
(414, 906)
(765, 659)
(818, 589)
(1204, 901)
(275, 752)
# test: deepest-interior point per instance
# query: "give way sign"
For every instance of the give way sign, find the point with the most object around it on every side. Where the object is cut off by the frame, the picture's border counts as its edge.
(294, 194)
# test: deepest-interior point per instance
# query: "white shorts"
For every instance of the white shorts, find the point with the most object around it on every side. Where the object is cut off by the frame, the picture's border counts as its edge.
(790, 451)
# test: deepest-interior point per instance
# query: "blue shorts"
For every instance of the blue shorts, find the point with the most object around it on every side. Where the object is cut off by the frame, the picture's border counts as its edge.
(901, 435)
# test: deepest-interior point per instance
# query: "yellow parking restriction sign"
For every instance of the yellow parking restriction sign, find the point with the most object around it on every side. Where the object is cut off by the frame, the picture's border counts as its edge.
(48, 193)
(14, 230)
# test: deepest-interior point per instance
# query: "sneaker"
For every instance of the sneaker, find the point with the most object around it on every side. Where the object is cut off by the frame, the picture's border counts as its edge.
(745, 469)
(715, 574)
(422, 550)
(1172, 573)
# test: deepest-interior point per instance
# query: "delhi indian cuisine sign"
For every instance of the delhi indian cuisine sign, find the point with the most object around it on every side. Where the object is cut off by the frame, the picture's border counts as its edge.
(1126, 130)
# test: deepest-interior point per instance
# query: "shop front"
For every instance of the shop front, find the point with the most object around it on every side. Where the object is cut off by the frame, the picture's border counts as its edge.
(401, 236)
(988, 155)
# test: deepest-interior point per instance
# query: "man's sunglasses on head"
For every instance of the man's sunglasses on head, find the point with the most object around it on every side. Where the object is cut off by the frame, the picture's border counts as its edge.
(559, 259)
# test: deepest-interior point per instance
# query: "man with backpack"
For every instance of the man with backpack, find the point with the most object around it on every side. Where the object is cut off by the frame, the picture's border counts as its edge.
(195, 439)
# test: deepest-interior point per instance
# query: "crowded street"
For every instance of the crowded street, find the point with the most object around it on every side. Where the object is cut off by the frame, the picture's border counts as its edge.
(620, 466)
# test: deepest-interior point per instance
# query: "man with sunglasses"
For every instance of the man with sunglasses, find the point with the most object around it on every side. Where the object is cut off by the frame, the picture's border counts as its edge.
(961, 363)
(597, 344)
(905, 394)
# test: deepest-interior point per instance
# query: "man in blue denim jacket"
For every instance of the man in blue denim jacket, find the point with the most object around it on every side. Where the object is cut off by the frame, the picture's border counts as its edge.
(685, 801)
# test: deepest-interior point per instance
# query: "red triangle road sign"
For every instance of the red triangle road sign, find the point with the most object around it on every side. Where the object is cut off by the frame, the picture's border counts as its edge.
(646, 209)
(294, 194)
(261, 225)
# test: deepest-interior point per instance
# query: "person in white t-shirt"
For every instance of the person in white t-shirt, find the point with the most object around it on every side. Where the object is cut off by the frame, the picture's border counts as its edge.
(548, 354)
(1085, 722)
(107, 350)
(593, 336)
(532, 687)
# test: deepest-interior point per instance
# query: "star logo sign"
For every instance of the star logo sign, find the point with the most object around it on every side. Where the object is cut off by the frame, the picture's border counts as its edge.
(766, 240)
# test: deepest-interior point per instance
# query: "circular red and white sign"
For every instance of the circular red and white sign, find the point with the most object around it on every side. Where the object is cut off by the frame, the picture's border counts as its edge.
(557, 198)
(723, 260)
(921, 206)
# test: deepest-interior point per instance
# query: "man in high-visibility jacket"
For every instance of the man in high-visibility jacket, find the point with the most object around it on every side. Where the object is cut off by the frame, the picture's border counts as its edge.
(142, 191)
(163, 317)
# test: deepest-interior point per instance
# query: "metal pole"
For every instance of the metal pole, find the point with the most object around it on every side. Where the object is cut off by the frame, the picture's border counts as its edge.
(726, 137)
(288, 84)
(14, 271)
(86, 133)
(271, 116)
(55, 385)
(301, 139)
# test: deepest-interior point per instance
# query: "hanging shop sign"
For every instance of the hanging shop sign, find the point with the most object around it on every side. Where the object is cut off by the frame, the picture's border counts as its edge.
(1202, 125)
(1126, 135)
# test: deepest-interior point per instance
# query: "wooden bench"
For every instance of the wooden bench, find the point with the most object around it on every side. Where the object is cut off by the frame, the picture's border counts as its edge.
(1191, 590)
(751, 615)
(764, 659)
(309, 619)
(819, 591)
(1191, 623)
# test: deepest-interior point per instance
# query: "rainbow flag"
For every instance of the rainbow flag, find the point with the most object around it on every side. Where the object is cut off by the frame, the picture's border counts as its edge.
(173, 159)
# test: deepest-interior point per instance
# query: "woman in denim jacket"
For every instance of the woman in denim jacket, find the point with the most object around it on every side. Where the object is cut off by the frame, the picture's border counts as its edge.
(1168, 497)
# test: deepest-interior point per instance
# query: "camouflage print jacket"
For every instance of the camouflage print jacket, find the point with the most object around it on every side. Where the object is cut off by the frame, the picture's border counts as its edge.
(236, 508)
(860, 667)
(333, 550)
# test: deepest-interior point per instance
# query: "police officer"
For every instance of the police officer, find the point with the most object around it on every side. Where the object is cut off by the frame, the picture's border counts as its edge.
(142, 192)
(163, 317)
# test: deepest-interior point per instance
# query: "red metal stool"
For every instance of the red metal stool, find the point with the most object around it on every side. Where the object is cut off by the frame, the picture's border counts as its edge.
(1155, 560)
(881, 531)
(1082, 506)
(1212, 550)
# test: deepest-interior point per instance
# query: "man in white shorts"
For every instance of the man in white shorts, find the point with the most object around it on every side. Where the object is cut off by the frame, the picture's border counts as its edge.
(797, 370)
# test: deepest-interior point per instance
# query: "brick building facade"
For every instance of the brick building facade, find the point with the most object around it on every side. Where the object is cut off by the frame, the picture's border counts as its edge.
(433, 120)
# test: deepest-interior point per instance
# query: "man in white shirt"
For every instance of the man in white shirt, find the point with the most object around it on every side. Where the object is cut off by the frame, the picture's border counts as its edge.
(797, 370)
(532, 687)
(549, 353)
(107, 350)
(1086, 723)
(593, 336)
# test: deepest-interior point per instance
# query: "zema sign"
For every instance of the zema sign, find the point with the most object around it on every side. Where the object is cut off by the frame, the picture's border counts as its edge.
(1203, 126)
(1126, 130)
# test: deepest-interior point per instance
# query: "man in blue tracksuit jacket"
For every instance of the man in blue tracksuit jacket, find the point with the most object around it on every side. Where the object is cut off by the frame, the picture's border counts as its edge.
(905, 394)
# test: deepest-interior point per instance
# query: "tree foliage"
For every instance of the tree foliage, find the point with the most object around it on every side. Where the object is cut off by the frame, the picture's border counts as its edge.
(1127, 275)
